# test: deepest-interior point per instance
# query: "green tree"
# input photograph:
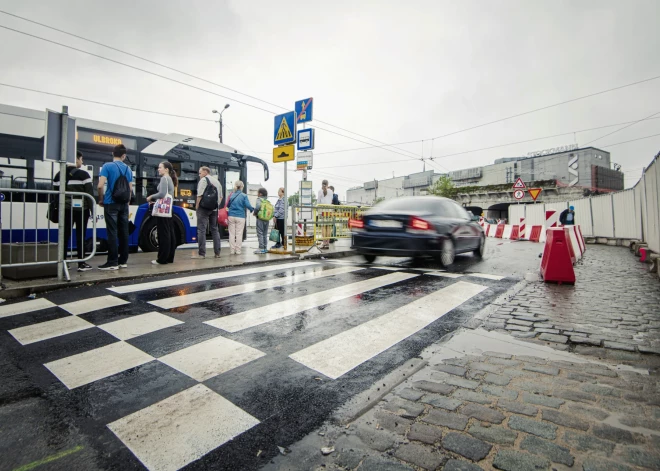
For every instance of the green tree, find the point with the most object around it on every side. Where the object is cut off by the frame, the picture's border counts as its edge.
(443, 187)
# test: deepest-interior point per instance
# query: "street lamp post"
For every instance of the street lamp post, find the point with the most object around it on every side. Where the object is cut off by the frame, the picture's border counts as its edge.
(220, 121)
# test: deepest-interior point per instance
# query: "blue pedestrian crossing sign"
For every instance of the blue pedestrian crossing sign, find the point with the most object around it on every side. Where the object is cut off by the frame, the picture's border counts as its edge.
(285, 128)
(304, 110)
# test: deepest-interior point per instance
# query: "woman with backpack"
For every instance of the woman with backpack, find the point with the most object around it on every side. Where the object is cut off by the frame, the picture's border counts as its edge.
(165, 225)
(237, 204)
(264, 212)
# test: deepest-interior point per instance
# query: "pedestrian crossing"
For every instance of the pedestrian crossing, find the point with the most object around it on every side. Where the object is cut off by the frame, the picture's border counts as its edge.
(173, 432)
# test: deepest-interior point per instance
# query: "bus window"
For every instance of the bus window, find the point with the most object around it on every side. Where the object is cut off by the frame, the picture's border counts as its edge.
(231, 177)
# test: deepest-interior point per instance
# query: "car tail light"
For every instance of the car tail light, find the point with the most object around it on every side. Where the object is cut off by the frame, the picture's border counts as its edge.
(355, 224)
(419, 225)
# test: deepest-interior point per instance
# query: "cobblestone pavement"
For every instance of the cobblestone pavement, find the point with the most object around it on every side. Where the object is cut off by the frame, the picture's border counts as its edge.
(615, 304)
(492, 410)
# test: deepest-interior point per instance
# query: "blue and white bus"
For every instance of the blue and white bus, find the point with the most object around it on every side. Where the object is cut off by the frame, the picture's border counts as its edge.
(22, 167)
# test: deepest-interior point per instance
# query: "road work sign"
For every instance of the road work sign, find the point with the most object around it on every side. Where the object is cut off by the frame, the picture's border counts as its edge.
(519, 184)
(285, 128)
(284, 153)
(534, 192)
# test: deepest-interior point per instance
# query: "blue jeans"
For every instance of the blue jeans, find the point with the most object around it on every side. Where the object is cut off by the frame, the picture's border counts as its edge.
(116, 223)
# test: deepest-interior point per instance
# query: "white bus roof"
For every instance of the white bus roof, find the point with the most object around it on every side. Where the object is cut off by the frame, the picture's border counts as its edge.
(30, 123)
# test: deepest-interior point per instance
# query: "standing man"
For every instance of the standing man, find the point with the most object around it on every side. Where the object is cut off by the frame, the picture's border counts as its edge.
(115, 207)
(207, 211)
(77, 209)
(567, 216)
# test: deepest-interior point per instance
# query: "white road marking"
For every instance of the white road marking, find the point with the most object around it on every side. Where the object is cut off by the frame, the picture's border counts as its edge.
(92, 304)
(209, 277)
(341, 353)
(211, 358)
(182, 428)
(254, 317)
(24, 307)
(485, 276)
(90, 366)
(203, 296)
(135, 326)
(49, 329)
(445, 274)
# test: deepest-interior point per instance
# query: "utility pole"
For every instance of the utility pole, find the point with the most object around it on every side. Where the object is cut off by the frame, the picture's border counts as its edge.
(220, 121)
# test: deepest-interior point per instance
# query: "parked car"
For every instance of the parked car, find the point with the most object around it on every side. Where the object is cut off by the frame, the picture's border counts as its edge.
(417, 226)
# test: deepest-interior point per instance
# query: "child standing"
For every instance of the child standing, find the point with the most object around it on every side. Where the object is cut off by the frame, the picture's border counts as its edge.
(263, 210)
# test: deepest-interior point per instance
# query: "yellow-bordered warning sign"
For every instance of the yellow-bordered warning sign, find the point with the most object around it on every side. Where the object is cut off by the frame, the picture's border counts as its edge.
(284, 153)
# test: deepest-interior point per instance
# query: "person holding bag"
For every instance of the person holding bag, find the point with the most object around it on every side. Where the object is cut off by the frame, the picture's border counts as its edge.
(163, 214)
(278, 218)
(238, 203)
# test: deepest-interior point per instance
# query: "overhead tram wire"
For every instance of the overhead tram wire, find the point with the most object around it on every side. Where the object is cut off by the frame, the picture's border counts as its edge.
(278, 106)
(625, 127)
(186, 74)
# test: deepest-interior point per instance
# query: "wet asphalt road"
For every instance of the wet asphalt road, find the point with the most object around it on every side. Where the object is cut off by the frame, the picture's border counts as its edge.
(41, 418)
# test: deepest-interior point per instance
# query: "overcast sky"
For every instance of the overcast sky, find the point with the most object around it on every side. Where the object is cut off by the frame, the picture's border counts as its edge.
(393, 71)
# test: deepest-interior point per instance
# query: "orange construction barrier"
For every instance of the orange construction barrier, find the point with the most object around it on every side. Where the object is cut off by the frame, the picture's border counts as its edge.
(535, 236)
(500, 231)
(556, 264)
(515, 232)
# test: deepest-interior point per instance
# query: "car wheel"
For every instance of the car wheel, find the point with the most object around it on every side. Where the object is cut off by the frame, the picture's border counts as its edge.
(369, 258)
(448, 252)
(481, 249)
(149, 236)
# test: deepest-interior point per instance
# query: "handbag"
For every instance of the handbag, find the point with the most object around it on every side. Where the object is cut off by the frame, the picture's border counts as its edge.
(274, 235)
(163, 207)
(223, 214)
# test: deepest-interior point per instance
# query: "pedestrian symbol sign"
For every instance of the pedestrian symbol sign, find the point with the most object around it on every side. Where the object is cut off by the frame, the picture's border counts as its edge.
(535, 192)
(285, 128)
(519, 185)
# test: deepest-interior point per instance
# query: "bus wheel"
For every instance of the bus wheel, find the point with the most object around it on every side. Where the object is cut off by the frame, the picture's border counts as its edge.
(101, 246)
(149, 236)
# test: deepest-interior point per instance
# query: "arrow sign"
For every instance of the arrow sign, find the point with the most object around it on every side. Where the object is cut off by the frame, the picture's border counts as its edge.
(519, 185)
(534, 192)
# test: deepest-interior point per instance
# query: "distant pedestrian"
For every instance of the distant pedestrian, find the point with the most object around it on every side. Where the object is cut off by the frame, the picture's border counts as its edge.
(238, 204)
(335, 201)
(278, 218)
(165, 225)
(324, 197)
(263, 210)
(567, 216)
(209, 197)
(335, 196)
(114, 201)
(78, 208)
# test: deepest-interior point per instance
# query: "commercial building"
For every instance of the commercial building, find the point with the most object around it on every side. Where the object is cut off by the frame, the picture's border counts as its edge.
(567, 166)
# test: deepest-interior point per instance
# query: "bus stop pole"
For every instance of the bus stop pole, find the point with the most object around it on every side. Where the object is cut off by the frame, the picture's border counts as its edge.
(62, 200)
(286, 207)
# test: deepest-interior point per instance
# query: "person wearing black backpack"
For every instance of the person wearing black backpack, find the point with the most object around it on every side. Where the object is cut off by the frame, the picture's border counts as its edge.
(209, 197)
(114, 201)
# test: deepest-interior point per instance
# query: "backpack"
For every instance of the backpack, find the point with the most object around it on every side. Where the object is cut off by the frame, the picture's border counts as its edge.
(121, 192)
(53, 213)
(210, 197)
(266, 210)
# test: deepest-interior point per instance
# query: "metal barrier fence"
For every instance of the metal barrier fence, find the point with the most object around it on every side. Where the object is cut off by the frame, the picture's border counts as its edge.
(314, 224)
(27, 240)
(627, 214)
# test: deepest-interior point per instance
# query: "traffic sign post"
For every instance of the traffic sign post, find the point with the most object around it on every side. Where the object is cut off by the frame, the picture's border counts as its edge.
(304, 161)
(519, 185)
(284, 154)
(285, 129)
(534, 192)
(304, 110)
(519, 194)
(305, 139)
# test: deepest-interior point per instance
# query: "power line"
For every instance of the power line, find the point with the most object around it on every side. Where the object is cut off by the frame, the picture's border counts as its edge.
(621, 129)
(105, 103)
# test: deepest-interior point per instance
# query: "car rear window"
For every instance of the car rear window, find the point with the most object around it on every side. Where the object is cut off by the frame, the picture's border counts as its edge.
(403, 204)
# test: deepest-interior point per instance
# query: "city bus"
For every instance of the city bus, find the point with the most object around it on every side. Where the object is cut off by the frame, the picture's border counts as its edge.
(22, 167)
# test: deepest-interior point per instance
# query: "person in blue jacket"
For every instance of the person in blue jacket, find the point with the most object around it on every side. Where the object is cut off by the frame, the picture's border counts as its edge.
(237, 206)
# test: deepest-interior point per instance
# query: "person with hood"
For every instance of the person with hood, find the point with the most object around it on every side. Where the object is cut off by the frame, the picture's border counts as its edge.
(567, 216)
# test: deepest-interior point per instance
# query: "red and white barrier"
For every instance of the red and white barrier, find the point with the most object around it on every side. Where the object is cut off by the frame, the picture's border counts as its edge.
(299, 230)
(551, 218)
(515, 232)
(508, 229)
(558, 257)
(523, 234)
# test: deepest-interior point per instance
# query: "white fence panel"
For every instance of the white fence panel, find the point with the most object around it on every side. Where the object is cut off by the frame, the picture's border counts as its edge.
(601, 210)
(535, 215)
(640, 206)
(583, 215)
(516, 211)
(626, 223)
(652, 175)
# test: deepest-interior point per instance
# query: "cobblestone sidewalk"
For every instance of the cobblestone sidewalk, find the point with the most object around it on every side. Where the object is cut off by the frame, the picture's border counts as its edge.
(513, 412)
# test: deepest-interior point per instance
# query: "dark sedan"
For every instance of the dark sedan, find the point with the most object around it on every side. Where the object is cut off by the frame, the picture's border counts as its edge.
(417, 226)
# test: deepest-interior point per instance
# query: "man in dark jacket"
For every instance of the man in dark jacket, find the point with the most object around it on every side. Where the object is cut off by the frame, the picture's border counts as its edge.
(78, 208)
(567, 216)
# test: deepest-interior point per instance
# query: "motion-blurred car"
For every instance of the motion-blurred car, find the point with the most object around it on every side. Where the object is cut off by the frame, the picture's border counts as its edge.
(417, 226)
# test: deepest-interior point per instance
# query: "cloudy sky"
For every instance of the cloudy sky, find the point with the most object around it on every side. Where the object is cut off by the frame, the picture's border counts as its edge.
(380, 72)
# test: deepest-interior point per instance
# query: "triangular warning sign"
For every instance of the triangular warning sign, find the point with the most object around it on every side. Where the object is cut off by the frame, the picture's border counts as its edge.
(519, 184)
(534, 192)
(284, 132)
